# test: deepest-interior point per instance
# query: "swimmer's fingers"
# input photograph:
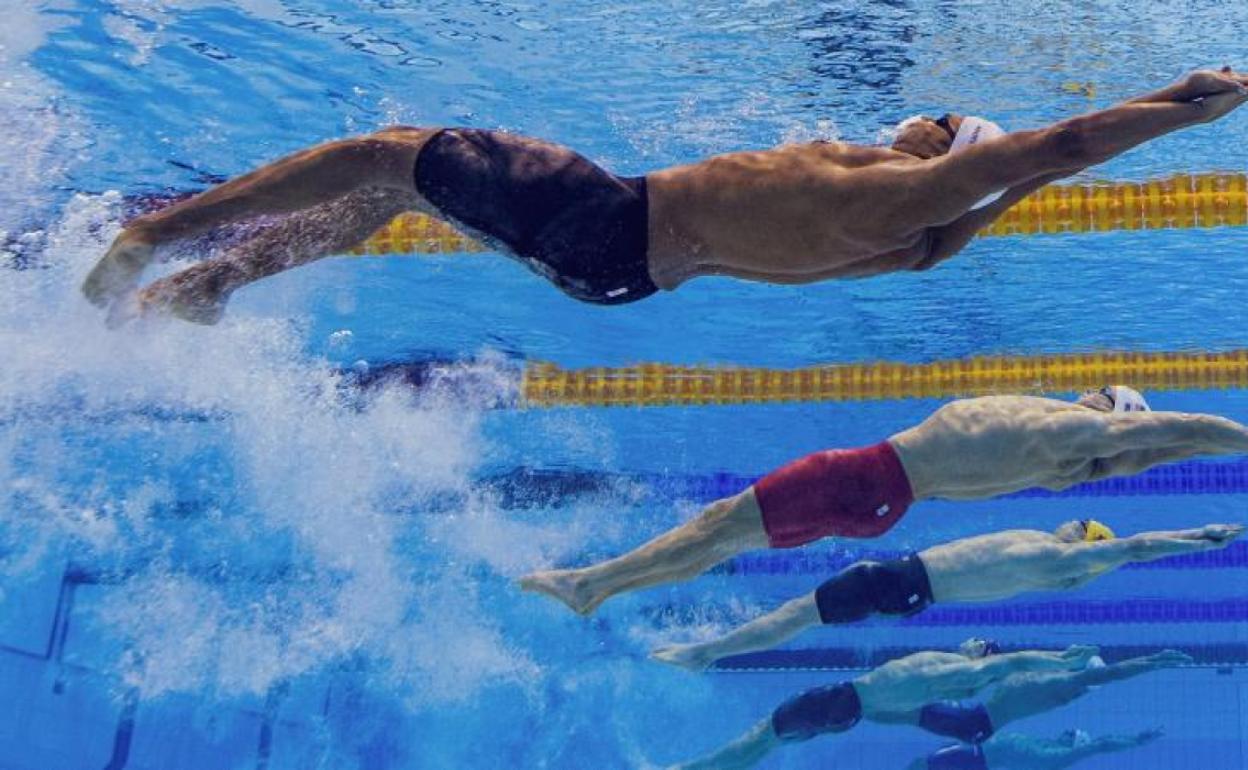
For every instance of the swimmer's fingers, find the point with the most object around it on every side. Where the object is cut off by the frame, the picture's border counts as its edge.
(1206, 83)
(1171, 658)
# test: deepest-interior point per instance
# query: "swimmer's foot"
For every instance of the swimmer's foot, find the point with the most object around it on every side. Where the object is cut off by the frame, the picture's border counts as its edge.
(564, 585)
(198, 294)
(118, 271)
(693, 657)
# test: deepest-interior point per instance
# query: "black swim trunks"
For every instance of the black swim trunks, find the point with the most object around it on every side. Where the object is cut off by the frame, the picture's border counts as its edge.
(896, 587)
(570, 221)
(969, 723)
(829, 709)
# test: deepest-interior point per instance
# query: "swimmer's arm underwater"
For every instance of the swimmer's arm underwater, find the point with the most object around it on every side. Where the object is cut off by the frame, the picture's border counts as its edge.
(1093, 558)
(997, 667)
(1193, 434)
(1089, 139)
(953, 237)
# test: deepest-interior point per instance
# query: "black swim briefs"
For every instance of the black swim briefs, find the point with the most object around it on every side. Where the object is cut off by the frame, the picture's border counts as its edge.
(829, 709)
(895, 587)
(570, 221)
(968, 722)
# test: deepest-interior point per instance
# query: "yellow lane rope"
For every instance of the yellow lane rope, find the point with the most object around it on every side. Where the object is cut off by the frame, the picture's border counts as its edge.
(544, 384)
(1180, 201)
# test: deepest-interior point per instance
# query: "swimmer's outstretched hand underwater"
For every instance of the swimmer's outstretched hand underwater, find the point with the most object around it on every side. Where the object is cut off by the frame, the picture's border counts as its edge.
(789, 215)
(968, 449)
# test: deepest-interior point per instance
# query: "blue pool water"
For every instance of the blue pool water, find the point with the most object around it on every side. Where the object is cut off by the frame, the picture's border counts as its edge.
(210, 557)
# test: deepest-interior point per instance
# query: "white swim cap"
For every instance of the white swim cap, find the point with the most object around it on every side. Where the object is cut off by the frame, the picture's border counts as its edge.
(1127, 399)
(975, 131)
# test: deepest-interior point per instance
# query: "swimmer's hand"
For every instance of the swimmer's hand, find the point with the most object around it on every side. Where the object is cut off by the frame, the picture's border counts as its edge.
(1170, 658)
(1221, 534)
(1148, 736)
(1218, 93)
(1202, 83)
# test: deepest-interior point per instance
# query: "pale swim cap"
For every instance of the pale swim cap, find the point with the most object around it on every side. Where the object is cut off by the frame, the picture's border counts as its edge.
(975, 131)
(1094, 531)
(1094, 662)
(1126, 399)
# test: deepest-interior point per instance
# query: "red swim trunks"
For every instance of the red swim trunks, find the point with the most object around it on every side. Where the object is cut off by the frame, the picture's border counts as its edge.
(843, 492)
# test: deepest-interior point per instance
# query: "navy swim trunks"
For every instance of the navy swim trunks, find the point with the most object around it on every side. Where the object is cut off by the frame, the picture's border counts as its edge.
(567, 219)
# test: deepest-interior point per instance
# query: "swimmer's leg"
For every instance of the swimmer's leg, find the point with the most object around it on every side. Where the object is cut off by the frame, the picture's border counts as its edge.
(761, 633)
(199, 293)
(318, 175)
(724, 529)
(744, 752)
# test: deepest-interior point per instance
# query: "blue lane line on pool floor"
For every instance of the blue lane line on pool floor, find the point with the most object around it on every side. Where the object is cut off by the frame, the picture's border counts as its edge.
(523, 487)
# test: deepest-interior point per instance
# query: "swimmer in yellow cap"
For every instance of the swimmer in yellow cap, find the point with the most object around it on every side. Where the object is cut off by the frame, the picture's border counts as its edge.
(793, 214)
(985, 568)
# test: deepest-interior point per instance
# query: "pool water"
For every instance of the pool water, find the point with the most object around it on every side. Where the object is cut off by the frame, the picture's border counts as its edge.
(217, 553)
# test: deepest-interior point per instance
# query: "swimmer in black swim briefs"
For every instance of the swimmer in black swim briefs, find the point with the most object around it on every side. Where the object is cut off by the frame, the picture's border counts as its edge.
(974, 569)
(793, 214)
(1028, 683)
(1016, 751)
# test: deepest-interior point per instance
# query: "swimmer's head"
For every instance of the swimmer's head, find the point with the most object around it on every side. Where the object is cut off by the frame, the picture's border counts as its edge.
(1083, 531)
(1114, 398)
(977, 647)
(925, 137)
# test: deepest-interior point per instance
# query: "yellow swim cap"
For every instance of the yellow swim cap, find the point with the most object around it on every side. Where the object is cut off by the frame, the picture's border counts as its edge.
(1094, 531)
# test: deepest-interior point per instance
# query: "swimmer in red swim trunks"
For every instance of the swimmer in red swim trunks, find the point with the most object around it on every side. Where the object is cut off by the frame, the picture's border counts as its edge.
(794, 214)
(967, 450)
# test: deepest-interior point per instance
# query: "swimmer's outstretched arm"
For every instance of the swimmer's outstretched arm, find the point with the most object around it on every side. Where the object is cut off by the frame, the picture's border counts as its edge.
(953, 237)
(1022, 697)
(994, 668)
(1094, 558)
(761, 633)
(724, 529)
(1104, 437)
(744, 752)
(1104, 744)
(947, 187)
